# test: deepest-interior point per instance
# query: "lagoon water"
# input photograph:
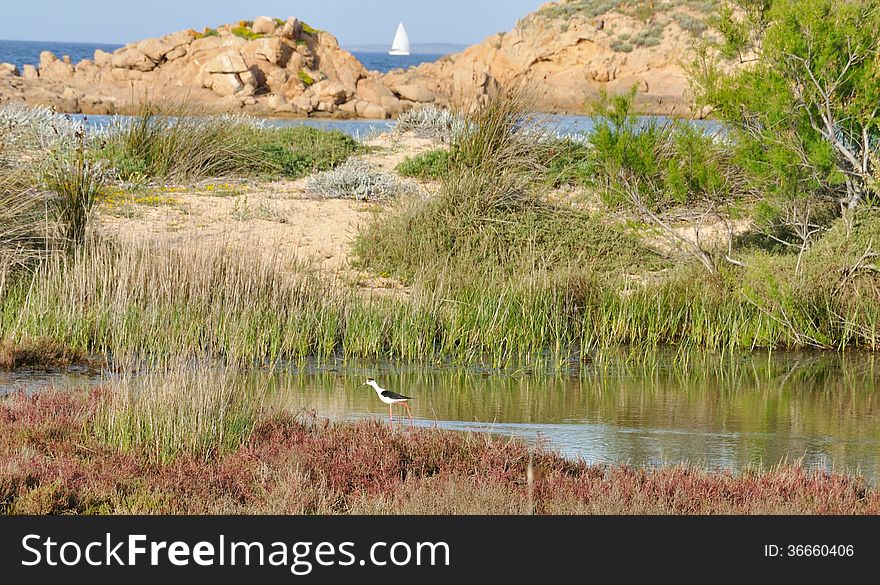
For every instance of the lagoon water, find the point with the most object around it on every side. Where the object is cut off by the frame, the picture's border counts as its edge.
(724, 413)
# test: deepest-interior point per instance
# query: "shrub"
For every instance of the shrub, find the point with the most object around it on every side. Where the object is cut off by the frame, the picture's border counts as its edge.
(27, 134)
(804, 113)
(489, 214)
(297, 151)
(431, 122)
(355, 179)
(431, 165)
(661, 163)
(305, 78)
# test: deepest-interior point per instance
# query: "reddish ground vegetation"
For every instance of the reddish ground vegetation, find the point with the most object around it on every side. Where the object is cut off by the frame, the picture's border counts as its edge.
(51, 464)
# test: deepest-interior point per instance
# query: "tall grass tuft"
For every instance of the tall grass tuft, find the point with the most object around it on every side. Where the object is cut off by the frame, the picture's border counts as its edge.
(24, 230)
(197, 412)
(76, 181)
(180, 142)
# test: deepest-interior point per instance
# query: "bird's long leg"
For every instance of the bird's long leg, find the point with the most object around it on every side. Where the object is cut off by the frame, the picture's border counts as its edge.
(409, 412)
(391, 415)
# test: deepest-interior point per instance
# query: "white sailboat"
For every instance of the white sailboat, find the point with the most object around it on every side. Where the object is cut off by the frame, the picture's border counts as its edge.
(401, 42)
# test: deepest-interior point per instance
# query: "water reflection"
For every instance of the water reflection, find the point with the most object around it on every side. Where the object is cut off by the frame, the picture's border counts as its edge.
(721, 412)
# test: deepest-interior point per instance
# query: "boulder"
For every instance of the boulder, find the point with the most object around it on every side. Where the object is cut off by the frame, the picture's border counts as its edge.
(303, 103)
(70, 93)
(325, 39)
(8, 70)
(263, 25)
(415, 93)
(47, 58)
(102, 58)
(391, 105)
(230, 62)
(177, 53)
(349, 107)
(277, 103)
(131, 59)
(30, 72)
(226, 84)
(273, 50)
(292, 29)
(277, 79)
(371, 111)
(155, 49)
(370, 90)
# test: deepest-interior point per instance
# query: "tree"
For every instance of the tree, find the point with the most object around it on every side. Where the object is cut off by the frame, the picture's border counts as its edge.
(803, 107)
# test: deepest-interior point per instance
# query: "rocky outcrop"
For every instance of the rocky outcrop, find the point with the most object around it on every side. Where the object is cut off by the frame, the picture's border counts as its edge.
(266, 67)
(567, 52)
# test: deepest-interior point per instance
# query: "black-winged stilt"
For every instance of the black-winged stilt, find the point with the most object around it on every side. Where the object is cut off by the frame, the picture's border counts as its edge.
(391, 398)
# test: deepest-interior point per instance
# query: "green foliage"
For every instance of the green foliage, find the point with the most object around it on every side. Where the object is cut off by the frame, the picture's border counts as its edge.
(245, 32)
(569, 162)
(180, 144)
(305, 78)
(662, 163)
(312, 32)
(621, 46)
(804, 114)
(489, 214)
(589, 8)
(300, 150)
(431, 166)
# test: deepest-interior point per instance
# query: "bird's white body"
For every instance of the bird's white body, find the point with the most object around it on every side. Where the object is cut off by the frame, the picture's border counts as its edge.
(385, 395)
(390, 398)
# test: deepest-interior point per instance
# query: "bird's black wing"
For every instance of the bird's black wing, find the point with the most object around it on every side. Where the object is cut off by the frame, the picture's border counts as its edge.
(394, 396)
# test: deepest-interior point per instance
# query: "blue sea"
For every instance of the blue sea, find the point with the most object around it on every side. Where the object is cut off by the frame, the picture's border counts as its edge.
(28, 52)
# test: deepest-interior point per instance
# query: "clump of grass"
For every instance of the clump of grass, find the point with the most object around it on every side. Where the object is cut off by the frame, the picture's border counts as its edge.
(490, 213)
(355, 179)
(432, 165)
(76, 182)
(178, 143)
(311, 31)
(246, 33)
(25, 231)
(195, 412)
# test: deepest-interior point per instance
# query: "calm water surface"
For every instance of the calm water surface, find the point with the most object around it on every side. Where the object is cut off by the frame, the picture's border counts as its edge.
(723, 413)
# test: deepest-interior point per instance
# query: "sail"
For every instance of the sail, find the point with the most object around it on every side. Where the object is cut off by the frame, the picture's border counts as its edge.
(401, 42)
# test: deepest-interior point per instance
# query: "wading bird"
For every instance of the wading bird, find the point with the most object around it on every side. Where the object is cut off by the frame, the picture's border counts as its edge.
(391, 398)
